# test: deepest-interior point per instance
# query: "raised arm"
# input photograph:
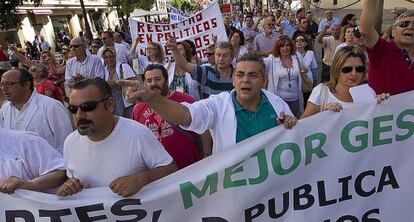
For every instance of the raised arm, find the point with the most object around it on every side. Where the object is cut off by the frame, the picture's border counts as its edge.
(367, 23)
(179, 59)
(322, 33)
(133, 49)
(172, 111)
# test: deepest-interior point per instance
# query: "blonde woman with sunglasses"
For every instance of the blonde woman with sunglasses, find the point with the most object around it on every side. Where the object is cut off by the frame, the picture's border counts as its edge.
(349, 69)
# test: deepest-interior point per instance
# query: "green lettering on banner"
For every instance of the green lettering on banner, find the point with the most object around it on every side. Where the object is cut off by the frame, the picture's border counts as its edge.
(309, 149)
(401, 124)
(277, 163)
(377, 130)
(188, 188)
(346, 144)
(263, 169)
(228, 172)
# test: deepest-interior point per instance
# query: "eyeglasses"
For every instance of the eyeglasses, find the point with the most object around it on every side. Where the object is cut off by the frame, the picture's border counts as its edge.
(208, 54)
(85, 107)
(149, 48)
(404, 24)
(95, 46)
(8, 84)
(348, 69)
(300, 40)
(74, 46)
(250, 75)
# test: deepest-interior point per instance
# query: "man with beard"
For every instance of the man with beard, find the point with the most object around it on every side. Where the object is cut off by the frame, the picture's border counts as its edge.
(125, 153)
(182, 145)
(230, 117)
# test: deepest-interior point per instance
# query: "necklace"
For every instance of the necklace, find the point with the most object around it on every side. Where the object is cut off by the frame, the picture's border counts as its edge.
(288, 67)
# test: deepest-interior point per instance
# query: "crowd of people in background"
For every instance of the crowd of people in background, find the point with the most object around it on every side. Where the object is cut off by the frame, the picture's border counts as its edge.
(138, 118)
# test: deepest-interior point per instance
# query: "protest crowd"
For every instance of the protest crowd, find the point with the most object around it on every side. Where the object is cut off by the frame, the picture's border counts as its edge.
(136, 112)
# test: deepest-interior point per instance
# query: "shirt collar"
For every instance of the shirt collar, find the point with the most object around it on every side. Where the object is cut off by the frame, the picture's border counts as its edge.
(238, 107)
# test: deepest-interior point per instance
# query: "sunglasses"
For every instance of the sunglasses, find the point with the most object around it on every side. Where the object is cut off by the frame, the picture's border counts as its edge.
(85, 107)
(404, 24)
(74, 46)
(348, 69)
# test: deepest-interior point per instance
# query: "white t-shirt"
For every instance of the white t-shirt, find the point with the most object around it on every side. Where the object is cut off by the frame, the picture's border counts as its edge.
(25, 155)
(129, 149)
(315, 97)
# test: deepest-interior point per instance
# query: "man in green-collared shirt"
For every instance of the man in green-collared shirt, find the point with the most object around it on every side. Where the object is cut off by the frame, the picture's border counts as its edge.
(250, 123)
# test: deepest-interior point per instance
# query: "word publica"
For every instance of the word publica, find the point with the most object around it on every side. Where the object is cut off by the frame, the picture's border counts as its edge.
(305, 196)
(121, 208)
(314, 145)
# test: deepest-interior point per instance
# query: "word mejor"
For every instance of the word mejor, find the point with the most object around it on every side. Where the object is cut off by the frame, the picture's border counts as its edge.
(379, 125)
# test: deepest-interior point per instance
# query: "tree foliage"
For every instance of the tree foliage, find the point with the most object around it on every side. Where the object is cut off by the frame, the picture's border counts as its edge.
(128, 6)
(184, 5)
(8, 13)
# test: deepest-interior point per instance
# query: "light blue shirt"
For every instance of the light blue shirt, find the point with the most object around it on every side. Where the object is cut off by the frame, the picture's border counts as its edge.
(288, 28)
(335, 21)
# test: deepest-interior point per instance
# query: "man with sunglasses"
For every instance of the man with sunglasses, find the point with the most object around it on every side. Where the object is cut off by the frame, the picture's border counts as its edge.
(391, 68)
(108, 150)
(30, 111)
(231, 117)
(263, 43)
(83, 64)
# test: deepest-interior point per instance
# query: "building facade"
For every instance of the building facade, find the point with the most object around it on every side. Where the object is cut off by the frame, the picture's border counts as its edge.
(60, 15)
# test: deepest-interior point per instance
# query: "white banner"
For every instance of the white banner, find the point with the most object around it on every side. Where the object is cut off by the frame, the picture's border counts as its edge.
(200, 28)
(176, 15)
(356, 165)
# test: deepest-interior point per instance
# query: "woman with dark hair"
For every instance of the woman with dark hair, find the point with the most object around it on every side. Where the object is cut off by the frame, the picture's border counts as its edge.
(42, 84)
(237, 40)
(178, 79)
(349, 19)
(349, 69)
(285, 74)
(194, 59)
(307, 60)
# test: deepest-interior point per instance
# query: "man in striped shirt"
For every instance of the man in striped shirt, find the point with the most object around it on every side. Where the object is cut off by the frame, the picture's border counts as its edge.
(213, 79)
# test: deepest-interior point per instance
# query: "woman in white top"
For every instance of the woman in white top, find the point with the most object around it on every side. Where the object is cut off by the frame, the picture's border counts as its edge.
(285, 74)
(347, 37)
(117, 71)
(307, 59)
(178, 79)
(237, 41)
(154, 55)
(349, 69)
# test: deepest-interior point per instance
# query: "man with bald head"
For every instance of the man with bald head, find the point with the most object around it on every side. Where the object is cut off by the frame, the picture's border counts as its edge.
(83, 64)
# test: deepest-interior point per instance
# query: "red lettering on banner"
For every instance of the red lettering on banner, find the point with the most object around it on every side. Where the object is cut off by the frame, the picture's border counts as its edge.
(158, 28)
(140, 27)
(206, 39)
(159, 37)
(206, 26)
(214, 22)
(191, 20)
(150, 28)
(166, 27)
(199, 54)
(149, 37)
(141, 38)
(187, 31)
(174, 26)
(199, 17)
(197, 42)
(199, 30)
